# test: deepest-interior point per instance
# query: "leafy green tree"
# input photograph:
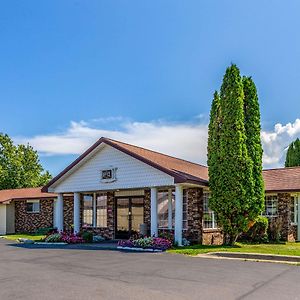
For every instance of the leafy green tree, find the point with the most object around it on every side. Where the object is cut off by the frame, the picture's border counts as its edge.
(20, 166)
(233, 190)
(293, 154)
(253, 143)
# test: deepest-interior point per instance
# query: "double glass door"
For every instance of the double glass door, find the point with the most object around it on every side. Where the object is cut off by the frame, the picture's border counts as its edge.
(129, 216)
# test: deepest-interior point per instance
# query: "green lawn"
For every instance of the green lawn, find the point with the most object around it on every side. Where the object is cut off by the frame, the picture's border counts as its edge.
(281, 249)
(14, 237)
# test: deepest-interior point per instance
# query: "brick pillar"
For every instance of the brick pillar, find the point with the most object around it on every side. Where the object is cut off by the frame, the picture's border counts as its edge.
(147, 205)
(110, 215)
(284, 212)
(194, 214)
(68, 212)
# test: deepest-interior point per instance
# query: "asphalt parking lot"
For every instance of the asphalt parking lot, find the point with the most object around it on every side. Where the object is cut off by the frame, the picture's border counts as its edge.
(102, 274)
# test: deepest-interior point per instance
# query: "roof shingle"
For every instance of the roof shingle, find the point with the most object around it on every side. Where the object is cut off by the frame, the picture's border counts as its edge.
(26, 193)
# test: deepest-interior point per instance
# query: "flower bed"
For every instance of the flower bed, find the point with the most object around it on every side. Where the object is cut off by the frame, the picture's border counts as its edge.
(64, 237)
(146, 243)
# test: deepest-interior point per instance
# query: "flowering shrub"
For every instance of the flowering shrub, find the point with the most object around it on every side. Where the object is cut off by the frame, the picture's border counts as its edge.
(147, 243)
(71, 238)
(167, 234)
(65, 237)
(53, 238)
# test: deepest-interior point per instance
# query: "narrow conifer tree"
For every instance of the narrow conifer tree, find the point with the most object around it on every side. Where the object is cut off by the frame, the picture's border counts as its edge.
(253, 142)
(213, 147)
(232, 191)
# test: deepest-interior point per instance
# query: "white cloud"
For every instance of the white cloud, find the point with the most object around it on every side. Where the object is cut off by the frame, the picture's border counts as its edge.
(276, 142)
(187, 141)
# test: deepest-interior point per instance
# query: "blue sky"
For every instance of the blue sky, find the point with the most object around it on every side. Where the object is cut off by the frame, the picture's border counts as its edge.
(73, 70)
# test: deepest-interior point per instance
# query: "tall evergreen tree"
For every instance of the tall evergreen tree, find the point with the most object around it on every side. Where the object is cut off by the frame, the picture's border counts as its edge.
(293, 154)
(232, 192)
(253, 143)
(213, 147)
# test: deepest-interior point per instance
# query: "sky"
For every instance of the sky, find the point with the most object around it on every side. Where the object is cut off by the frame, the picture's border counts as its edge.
(143, 72)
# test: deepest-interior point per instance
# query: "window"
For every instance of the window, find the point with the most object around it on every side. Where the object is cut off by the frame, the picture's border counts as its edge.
(101, 203)
(95, 210)
(185, 210)
(88, 210)
(163, 208)
(33, 206)
(209, 218)
(294, 209)
(271, 206)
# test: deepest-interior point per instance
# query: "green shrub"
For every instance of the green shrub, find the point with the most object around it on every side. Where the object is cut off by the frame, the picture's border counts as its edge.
(87, 236)
(275, 229)
(45, 231)
(258, 231)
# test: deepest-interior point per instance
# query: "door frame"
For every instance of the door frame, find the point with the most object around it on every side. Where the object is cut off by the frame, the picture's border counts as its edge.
(129, 209)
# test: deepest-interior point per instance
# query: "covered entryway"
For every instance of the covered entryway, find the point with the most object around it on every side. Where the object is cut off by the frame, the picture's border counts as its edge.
(129, 216)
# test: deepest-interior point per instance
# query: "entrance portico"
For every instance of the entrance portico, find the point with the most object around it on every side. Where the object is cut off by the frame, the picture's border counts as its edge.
(129, 212)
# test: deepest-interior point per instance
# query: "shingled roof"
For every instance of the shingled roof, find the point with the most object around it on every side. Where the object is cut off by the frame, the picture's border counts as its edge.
(26, 193)
(282, 179)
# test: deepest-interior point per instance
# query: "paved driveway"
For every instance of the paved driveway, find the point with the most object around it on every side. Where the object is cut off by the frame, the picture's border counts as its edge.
(101, 274)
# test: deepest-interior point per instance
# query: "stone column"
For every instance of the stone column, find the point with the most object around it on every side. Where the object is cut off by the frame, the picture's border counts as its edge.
(284, 213)
(154, 228)
(76, 212)
(178, 213)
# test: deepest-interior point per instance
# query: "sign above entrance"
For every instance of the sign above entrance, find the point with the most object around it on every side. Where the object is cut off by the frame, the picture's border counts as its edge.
(108, 174)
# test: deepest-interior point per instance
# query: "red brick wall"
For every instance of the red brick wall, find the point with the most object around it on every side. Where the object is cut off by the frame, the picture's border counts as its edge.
(30, 222)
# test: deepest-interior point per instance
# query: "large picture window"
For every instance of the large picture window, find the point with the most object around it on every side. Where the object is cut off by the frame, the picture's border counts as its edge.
(163, 207)
(95, 210)
(271, 206)
(209, 218)
(101, 211)
(88, 210)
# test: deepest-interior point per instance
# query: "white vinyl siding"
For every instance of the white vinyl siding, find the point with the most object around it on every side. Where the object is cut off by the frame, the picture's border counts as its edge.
(131, 173)
(2, 219)
(10, 218)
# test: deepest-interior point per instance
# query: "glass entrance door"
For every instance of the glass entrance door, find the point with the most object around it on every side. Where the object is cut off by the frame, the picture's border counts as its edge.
(129, 216)
(122, 220)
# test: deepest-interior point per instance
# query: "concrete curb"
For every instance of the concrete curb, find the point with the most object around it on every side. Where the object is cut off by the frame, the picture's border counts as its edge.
(138, 249)
(258, 257)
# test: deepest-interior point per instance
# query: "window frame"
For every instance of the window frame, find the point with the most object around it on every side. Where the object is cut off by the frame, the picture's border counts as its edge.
(93, 208)
(296, 207)
(98, 207)
(33, 201)
(209, 212)
(90, 224)
(266, 206)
